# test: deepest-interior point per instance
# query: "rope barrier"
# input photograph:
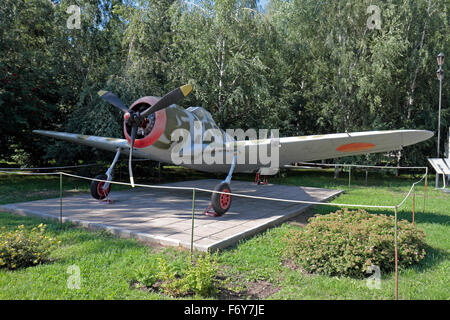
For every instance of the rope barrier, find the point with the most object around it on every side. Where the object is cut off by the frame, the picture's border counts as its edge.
(411, 189)
(231, 194)
(354, 165)
(30, 173)
(69, 167)
(47, 168)
(194, 189)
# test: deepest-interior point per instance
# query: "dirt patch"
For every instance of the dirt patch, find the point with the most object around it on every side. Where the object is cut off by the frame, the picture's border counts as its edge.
(250, 290)
(289, 263)
(253, 290)
(240, 289)
(292, 265)
(261, 290)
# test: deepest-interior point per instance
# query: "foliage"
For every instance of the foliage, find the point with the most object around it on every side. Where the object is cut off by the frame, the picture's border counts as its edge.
(233, 66)
(348, 242)
(198, 278)
(304, 67)
(146, 275)
(23, 248)
(249, 262)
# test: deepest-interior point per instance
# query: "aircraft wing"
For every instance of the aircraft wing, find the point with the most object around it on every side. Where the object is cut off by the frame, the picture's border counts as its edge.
(328, 146)
(103, 143)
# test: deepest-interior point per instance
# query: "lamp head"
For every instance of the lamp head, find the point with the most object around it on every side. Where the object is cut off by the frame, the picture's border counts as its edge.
(440, 59)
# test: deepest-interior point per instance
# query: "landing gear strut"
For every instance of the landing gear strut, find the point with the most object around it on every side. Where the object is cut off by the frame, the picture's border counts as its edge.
(100, 189)
(259, 180)
(221, 202)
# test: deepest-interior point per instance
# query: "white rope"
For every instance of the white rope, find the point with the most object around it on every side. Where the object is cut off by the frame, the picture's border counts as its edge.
(46, 168)
(69, 167)
(30, 173)
(126, 183)
(228, 193)
(411, 189)
(231, 194)
(353, 165)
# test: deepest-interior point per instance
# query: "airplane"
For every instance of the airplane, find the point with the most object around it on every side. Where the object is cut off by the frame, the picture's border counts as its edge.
(150, 122)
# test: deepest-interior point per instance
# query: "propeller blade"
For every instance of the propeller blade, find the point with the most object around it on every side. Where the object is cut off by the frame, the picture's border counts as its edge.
(113, 99)
(170, 98)
(130, 168)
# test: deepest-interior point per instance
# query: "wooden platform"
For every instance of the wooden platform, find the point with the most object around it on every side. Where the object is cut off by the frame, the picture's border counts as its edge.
(165, 216)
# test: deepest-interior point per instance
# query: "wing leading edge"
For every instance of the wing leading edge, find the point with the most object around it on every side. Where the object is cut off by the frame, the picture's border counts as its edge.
(321, 147)
(103, 143)
(291, 149)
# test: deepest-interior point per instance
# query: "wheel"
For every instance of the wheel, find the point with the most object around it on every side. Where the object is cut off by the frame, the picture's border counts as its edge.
(97, 188)
(219, 201)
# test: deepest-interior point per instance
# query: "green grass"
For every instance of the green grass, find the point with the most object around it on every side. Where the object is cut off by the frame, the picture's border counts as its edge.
(107, 263)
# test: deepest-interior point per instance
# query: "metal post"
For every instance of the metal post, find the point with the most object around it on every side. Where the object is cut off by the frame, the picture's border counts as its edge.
(439, 124)
(396, 254)
(425, 191)
(349, 175)
(367, 175)
(60, 200)
(413, 204)
(192, 230)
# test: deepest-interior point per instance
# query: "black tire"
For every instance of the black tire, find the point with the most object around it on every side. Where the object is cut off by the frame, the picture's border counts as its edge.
(219, 201)
(96, 186)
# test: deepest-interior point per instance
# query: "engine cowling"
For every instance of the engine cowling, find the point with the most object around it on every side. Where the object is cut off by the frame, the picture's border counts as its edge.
(153, 126)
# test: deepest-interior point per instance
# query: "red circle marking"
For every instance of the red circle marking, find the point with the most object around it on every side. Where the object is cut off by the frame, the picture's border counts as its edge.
(357, 146)
(158, 128)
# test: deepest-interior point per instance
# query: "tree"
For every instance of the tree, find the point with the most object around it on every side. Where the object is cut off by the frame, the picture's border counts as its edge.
(226, 50)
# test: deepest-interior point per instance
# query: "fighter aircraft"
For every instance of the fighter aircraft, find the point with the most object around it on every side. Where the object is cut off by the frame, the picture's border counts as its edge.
(150, 122)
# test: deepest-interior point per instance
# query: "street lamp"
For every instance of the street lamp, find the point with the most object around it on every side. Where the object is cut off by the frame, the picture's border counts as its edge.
(440, 76)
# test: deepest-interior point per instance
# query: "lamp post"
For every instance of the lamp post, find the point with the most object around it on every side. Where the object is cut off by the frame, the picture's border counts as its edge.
(440, 76)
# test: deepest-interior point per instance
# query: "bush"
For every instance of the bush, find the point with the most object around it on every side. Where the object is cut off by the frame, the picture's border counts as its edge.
(196, 279)
(348, 242)
(200, 277)
(146, 275)
(168, 279)
(24, 248)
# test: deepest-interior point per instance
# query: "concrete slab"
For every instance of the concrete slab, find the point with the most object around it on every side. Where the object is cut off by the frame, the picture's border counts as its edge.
(164, 216)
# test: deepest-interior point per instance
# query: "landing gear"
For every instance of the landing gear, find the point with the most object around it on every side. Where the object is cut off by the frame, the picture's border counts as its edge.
(221, 202)
(258, 179)
(97, 190)
(101, 189)
(261, 175)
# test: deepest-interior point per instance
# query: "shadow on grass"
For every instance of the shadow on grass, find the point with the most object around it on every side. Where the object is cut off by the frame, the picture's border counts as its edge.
(433, 257)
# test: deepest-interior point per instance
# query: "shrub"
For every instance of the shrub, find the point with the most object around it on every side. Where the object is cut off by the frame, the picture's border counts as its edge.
(348, 242)
(194, 279)
(23, 248)
(201, 277)
(146, 275)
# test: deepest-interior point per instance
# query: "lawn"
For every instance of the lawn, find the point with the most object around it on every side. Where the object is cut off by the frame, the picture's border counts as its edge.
(254, 268)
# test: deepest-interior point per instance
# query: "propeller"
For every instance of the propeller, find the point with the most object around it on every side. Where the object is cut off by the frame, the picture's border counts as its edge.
(136, 118)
